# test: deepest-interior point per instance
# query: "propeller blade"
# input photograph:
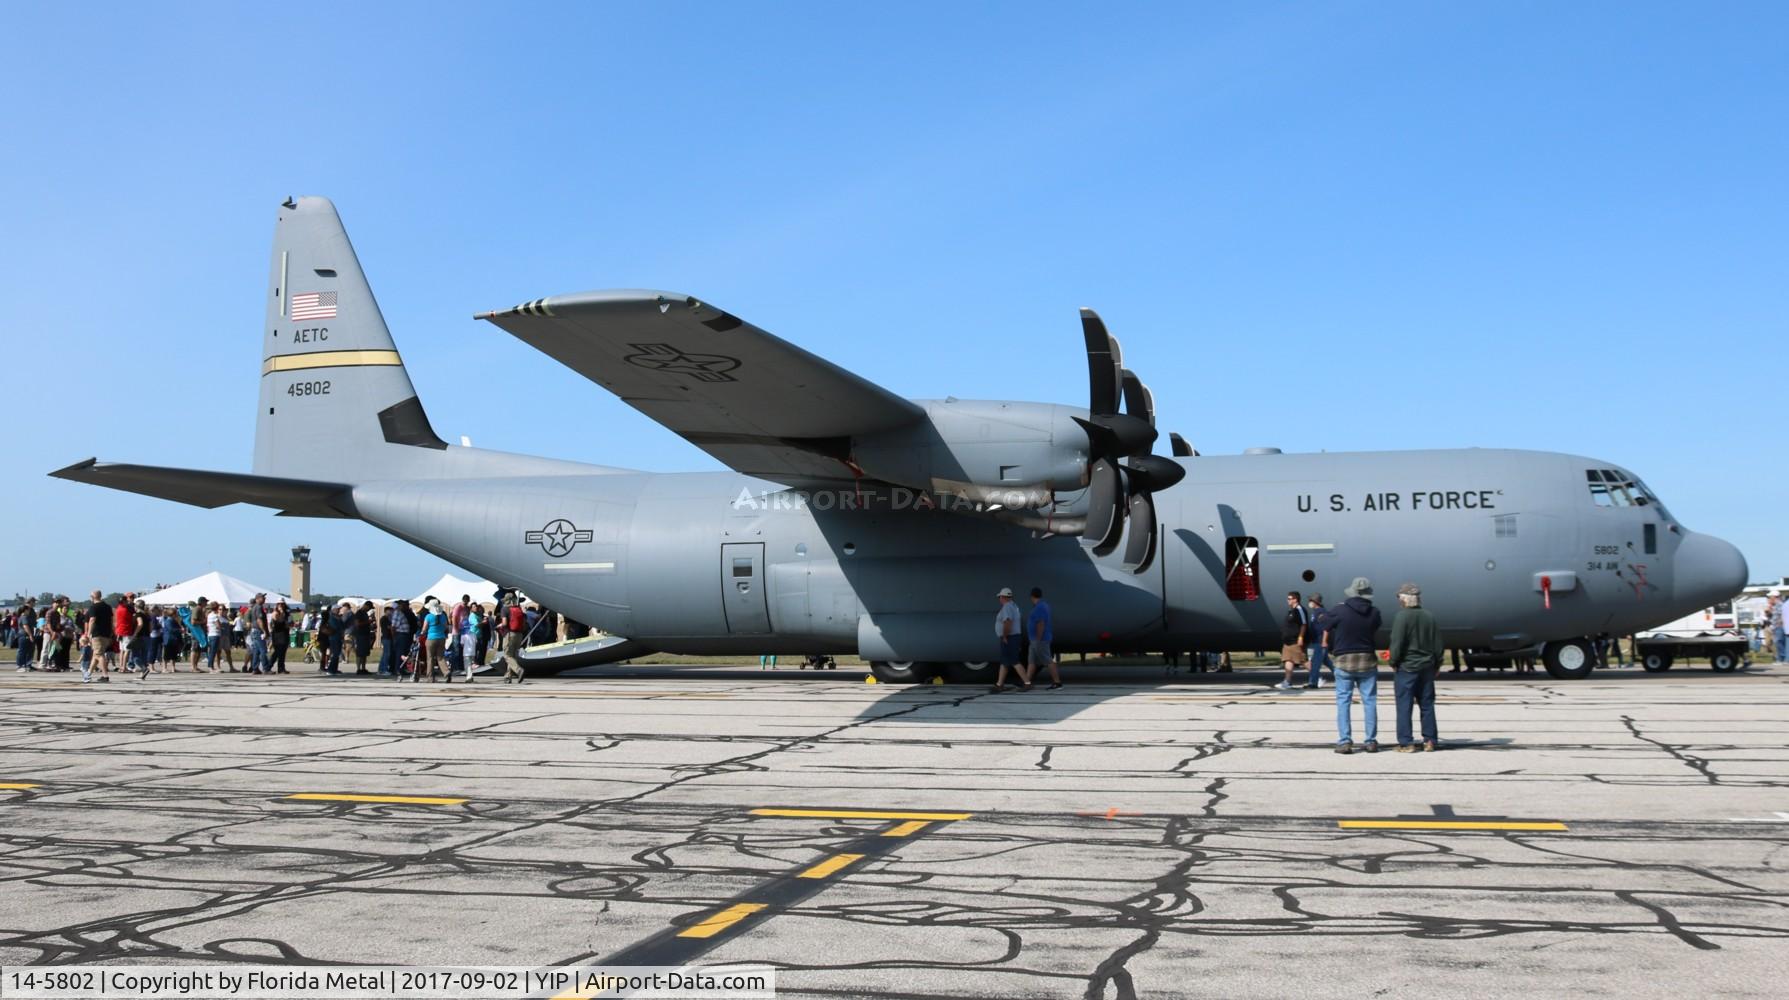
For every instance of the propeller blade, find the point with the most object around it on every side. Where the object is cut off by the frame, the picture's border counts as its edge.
(1117, 434)
(1181, 448)
(1105, 507)
(1104, 359)
(1152, 473)
(1138, 400)
(1139, 546)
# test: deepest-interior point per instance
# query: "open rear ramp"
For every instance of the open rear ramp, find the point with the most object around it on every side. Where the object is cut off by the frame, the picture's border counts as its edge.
(558, 657)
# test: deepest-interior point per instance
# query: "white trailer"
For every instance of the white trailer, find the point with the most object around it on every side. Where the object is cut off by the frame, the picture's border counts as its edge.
(1712, 632)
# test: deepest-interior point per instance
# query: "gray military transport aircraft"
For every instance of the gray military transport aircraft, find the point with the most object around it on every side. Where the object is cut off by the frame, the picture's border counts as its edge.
(857, 521)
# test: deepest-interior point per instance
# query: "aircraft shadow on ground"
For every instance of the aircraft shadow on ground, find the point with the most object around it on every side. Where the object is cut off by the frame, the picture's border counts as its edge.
(1092, 684)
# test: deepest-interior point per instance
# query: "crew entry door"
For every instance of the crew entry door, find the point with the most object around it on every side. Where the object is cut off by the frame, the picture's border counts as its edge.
(742, 583)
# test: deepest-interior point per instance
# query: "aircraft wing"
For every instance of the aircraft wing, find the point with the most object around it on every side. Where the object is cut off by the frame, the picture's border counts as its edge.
(758, 403)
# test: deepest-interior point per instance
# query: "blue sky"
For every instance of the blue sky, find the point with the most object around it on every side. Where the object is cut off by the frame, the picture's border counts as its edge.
(1319, 226)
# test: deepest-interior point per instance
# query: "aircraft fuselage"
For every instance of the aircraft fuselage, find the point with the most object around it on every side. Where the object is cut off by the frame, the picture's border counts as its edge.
(1508, 547)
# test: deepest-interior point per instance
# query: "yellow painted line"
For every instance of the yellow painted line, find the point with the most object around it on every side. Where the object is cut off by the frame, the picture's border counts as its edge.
(408, 800)
(1440, 824)
(903, 829)
(561, 693)
(16, 786)
(858, 814)
(830, 865)
(328, 359)
(717, 922)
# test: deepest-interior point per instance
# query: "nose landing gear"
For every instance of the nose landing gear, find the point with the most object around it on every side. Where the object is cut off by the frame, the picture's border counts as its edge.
(1568, 659)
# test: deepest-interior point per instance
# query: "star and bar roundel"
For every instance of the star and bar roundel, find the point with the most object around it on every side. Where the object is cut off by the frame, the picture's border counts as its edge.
(558, 538)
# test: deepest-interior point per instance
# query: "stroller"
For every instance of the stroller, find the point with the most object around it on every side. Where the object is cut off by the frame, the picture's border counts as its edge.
(819, 662)
(406, 665)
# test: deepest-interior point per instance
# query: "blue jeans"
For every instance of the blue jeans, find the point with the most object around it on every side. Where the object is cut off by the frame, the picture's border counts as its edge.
(1777, 634)
(1415, 689)
(1315, 655)
(257, 655)
(1346, 685)
(24, 649)
(214, 648)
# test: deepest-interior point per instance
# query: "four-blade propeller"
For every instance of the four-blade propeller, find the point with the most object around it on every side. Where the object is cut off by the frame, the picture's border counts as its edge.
(1122, 474)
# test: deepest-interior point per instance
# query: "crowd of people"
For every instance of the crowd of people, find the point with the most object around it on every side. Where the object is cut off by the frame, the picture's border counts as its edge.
(428, 642)
(432, 641)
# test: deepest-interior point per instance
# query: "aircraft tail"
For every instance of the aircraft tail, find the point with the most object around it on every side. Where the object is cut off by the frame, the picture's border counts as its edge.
(335, 398)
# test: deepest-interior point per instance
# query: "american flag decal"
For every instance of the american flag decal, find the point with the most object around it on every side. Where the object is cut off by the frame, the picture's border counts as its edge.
(313, 305)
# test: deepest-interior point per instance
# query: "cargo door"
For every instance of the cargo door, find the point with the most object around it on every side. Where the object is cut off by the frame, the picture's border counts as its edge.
(742, 582)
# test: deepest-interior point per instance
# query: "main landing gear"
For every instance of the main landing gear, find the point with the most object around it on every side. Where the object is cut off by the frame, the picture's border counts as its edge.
(922, 671)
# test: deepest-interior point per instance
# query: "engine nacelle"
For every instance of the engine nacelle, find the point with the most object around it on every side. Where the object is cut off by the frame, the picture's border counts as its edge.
(1017, 455)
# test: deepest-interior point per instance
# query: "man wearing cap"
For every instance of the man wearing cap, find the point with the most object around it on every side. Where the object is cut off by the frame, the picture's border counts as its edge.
(1352, 627)
(1315, 637)
(1416, 658)
(1043, 632)
(1009, 630)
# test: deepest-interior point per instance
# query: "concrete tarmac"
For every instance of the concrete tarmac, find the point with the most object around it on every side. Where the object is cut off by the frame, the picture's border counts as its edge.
(1128, 835)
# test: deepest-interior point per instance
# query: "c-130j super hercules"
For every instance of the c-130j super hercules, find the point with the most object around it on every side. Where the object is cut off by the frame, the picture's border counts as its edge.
(855, 520)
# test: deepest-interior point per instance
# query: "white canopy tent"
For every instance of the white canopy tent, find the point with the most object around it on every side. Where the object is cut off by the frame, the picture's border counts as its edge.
(213, 586)
(355, 602)
(448, 589)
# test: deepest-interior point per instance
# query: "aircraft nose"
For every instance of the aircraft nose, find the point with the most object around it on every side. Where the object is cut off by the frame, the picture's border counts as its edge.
(1706, 570)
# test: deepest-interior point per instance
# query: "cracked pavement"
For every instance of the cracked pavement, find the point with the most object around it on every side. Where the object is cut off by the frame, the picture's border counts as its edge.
(1126, 836)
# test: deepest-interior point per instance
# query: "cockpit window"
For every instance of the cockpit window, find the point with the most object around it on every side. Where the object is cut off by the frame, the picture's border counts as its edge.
(1615, 488)
(1647, 496)
(1605, 489)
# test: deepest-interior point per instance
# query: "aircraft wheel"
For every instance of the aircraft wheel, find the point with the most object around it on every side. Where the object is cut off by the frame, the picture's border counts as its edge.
(1724, 661)
(970, 672)
(1568, 660)
(1655, 661)
(901, 671)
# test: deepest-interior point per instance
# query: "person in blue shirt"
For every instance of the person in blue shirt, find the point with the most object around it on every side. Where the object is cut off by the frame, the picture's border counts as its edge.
(434, 631)
(1042, 632)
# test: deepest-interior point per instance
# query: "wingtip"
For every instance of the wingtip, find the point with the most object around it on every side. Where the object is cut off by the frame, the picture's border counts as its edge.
(533, 307)
(81, 466)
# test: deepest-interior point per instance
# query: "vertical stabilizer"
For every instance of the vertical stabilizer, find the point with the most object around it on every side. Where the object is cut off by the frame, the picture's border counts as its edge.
(335, 398)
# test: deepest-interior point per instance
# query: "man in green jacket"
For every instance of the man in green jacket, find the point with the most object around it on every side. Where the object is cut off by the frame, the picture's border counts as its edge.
(1415, 660)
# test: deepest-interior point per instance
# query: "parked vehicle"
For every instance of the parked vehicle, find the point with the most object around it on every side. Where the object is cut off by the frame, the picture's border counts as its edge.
(1712, 632)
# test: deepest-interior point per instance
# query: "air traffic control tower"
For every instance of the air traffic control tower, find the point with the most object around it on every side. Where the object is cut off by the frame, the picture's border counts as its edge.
(301, 574)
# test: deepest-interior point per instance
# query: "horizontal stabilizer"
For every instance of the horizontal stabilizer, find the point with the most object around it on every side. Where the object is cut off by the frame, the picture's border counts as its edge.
(201, 488)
